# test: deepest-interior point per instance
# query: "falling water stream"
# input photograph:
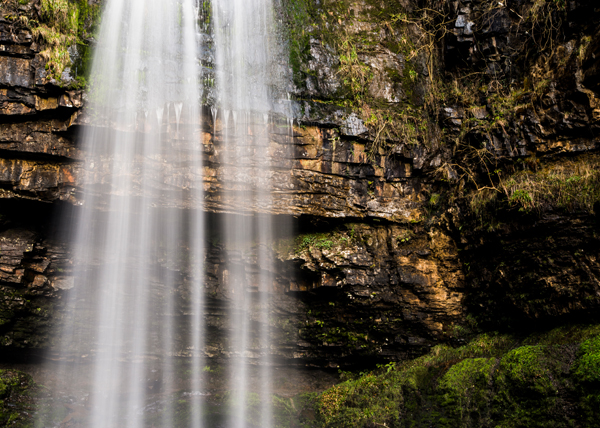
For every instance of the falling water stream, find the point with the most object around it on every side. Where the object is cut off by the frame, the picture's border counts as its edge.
(242, 54)
(141, 230)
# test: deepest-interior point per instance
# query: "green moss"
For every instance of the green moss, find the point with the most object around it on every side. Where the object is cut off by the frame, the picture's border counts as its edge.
(314, 240)
(339, 239)
(328, 23)
(587, 367)
(299, 24)
(590, 403)
(524, 367)
(15, 400)
(463, 391)
(564, 335)
(487, 383)
(467, 374)
(354, 403)
(66, 24)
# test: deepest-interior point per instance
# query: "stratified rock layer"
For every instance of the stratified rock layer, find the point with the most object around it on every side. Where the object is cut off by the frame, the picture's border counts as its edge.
(387, 258)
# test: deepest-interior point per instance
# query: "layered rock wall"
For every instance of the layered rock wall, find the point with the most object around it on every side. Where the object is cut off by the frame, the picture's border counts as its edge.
(400, 178)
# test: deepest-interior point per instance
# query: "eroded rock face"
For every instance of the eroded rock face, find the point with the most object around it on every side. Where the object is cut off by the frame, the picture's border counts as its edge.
(30, 280)
(389, 271)
(15, 72)
(314, 173)
(389, 291)
(337, 297)
(36, 134)
(555, 111)
(317, 173)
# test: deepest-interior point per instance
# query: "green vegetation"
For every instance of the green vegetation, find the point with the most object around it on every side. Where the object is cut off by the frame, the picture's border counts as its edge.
(59, 27)
(354, 336)
(547, 380)
(333, 25)
(568, 185)
(486, 104)
(355, 32)
(15, 400)
(65, 24)
(587, 368)
(299, 13)
(339, 238)
(315, 240)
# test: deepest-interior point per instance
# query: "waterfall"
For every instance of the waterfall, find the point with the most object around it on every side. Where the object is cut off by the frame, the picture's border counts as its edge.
(139, 236)
(242, 55)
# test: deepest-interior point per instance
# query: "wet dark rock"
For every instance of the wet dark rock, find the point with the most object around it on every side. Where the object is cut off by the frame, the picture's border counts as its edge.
(29, 280)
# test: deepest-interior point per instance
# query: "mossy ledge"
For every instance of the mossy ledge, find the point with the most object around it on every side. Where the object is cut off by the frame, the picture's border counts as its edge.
(545, 380)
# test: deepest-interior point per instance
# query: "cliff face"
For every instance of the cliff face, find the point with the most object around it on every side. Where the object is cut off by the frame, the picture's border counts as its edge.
(493, 110)
(443, 169)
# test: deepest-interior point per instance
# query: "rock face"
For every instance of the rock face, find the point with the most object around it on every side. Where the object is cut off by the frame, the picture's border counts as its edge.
(394, 145)
(35, 132)
(537, 272)
(31, 280)
(382, 291)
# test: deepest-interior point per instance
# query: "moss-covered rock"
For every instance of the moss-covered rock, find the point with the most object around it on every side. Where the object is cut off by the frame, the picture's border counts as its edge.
(62, 29)
(587, 367)
(464, 393)
(15, 398)
(548, 380)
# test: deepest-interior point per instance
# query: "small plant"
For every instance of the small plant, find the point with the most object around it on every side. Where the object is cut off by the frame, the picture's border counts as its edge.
(321, 241)
(522, 198)
(405, 237)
